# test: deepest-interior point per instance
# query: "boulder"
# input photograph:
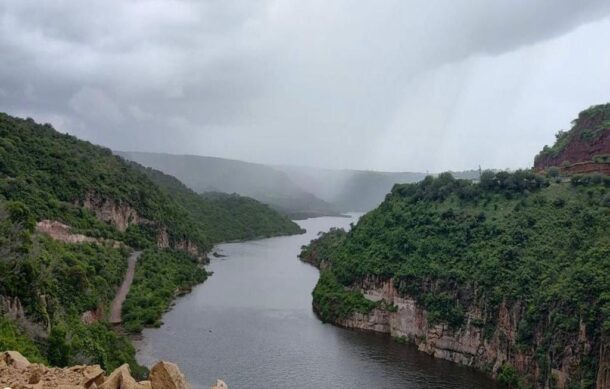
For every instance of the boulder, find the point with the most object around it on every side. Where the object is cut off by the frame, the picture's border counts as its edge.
(220, 384)
(166, 375)
(93, 375)
(118, 378)
(15, 359)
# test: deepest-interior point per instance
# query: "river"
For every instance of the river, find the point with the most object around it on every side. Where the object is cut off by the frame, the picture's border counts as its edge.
(251, 324)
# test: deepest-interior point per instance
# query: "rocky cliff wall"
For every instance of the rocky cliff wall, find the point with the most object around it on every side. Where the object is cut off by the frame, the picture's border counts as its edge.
(164, 240)
(583, 149)
(120, 214)
(471, 344)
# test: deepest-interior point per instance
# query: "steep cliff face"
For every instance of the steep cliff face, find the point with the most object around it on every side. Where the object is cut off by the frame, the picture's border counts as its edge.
(164, 240)
(120, 214)
(583, 149)
(472, 344)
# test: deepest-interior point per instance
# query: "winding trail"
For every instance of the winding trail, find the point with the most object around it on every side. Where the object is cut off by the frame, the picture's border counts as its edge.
(121, 294)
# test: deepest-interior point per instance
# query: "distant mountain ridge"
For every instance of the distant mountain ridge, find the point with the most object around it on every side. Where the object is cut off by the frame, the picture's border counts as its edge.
(261, 182)
(295, 190)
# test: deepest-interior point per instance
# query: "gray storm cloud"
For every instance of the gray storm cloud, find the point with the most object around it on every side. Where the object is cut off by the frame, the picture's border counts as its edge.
(391, 85)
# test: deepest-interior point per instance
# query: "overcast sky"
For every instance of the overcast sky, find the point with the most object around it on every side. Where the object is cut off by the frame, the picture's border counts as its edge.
(385, 85)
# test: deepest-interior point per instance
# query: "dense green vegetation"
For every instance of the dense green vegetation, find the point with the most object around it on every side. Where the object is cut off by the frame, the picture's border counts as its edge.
(320, 250)
(48, 175)
(56, 283)
(52, 172)
(12, 338)
(224, 217)
(160, 276)
(515, 238)
(333, 302)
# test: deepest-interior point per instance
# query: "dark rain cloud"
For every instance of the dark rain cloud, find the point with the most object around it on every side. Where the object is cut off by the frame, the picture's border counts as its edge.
(385, 84)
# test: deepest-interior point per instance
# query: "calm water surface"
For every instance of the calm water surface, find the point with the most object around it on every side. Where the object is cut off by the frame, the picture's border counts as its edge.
(251, 324)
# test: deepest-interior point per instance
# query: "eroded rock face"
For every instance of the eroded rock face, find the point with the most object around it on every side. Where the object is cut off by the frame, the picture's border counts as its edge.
(120, 214)
(585, 148)
(63, 233)
(188, 247)
(162, 239)
(469, 345)
(603, 373)
(11, 306)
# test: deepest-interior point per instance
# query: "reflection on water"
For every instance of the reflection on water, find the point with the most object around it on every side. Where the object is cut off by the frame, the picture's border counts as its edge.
(251, 324)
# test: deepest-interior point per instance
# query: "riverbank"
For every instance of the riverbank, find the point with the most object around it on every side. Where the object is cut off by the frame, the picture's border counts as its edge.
(253, 325)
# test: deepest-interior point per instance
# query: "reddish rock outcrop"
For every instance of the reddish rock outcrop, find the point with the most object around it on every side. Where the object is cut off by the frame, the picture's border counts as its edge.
(584, 149)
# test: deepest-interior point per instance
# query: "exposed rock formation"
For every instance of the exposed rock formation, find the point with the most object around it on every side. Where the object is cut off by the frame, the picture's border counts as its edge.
(165, 241)
(166, 375)
(162, 238)
(470, 345)
(63, 233)
(120, 214)
(11, 307)
(603, 374)
(93, 316)
(188, 247)
(17, 372)
(583, 149)
(220, 384)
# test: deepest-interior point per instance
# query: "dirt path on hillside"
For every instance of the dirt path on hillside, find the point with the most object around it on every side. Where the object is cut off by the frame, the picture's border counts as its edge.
(121, 294)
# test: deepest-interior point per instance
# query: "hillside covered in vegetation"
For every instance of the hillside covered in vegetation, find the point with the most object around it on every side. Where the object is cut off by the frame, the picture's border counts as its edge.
(263, 183)
(224, 217)
(511, 275)
(70, 215)
(585, 148)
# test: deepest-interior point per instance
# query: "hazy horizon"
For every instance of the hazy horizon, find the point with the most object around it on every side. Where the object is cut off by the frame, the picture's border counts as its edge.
(385, 86)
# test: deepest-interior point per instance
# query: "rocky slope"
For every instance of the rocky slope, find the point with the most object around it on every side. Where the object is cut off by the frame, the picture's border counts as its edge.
(583, 149)
(18, 373)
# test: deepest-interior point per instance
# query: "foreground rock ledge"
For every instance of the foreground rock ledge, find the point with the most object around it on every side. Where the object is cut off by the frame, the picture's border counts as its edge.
(17, 372)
